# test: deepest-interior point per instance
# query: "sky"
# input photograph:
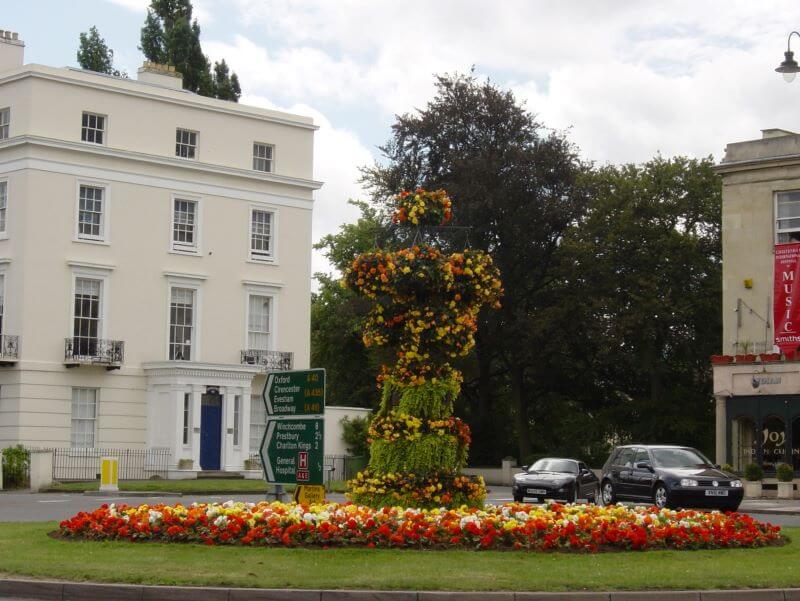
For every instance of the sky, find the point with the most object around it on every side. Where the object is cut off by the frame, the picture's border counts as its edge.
(625, 80)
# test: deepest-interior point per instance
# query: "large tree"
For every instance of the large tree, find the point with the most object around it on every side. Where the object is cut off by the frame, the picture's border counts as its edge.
(95, 55)
(171, 36)
(518, 187)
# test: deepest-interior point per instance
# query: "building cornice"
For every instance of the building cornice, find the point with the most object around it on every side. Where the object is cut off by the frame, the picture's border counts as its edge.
(159, 160)
(759, 163)
(193, 369)
(168, 183)
(132, 87)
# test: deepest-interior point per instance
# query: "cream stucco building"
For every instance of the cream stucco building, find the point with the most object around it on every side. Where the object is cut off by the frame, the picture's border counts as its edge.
(757, 391)
(155, 257)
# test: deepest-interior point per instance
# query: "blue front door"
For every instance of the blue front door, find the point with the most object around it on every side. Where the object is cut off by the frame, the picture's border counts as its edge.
(210, 431)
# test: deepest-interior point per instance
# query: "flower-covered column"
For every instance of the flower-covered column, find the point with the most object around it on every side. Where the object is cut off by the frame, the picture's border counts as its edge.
(426, 307)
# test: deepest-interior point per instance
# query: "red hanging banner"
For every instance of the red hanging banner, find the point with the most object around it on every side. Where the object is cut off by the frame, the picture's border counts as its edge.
(787, 296)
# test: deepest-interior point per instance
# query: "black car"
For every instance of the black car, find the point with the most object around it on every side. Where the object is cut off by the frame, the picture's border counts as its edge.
(555, 478)
(668, 476)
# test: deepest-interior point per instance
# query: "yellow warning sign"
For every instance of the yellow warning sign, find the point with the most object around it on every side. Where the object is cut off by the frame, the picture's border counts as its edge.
(109, 473)
(308, 494)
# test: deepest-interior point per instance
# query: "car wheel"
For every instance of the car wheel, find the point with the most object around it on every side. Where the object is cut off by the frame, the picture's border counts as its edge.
(592, 497)
(575, 494)
(518, 498)
(609, 497)
(660, 496)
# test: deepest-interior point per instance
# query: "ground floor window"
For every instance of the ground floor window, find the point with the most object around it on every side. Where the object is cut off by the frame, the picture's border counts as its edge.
(187, 411)
(773, 442)
(743, 442)
(84, 415)
(258, 423)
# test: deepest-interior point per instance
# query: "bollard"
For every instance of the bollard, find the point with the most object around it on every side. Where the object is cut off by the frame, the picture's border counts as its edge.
(109, 474)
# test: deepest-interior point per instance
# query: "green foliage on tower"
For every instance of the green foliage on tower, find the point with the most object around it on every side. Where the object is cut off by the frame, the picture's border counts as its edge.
(424, 309)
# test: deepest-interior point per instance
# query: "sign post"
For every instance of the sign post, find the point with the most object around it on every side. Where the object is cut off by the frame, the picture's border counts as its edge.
(292, 450)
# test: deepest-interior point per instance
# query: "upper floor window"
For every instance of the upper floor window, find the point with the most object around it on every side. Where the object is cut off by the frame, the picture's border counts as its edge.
(184, 225)
(258, 322)
(3, 206)
(261, 235)
(91, 208)
(5, 122)
(262, 156)
(93, 128)
(181, 323)
(86, 316)
(787, 221)
(185, 143)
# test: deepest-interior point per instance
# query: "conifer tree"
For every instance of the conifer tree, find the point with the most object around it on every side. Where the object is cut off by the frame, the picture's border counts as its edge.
(171, 36)
(95, 55)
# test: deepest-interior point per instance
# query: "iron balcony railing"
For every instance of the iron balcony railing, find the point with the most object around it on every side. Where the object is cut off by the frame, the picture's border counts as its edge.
(271, 360)
(80, 350)
(9, 348)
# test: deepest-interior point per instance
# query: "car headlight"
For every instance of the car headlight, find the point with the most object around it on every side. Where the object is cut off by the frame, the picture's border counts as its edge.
(688, 482)
(736, 483)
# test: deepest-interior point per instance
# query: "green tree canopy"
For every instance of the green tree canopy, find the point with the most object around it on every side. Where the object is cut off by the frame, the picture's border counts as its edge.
(171, 36)
(95, 55)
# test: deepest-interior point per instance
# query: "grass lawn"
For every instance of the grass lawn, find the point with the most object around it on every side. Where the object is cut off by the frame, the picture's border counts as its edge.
(204, 486)
(26, 550)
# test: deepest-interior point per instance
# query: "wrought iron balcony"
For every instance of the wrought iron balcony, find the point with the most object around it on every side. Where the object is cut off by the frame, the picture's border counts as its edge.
(270, 360)
(9, 349)
(80, 350)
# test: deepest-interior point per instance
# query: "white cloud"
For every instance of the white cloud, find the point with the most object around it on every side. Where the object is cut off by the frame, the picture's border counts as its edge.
(200, 11)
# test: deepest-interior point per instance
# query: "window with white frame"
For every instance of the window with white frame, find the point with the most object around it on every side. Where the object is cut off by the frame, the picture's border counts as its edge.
(84, 416)
(91, 206)
(258, 423)
(93, 128)
(237, 418)
(86, 316)
(262, 156)
(258, 322)
(261, 234)
(3, 205)
(787, 220)
(5, 123)
(181, 323)
(184, 225)
(187, 412)
(2, 302)
(185, 143)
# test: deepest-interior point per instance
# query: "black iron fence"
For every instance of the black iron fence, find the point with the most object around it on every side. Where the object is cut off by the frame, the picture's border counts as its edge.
(84, 464)
(96, 351)
(272, 360)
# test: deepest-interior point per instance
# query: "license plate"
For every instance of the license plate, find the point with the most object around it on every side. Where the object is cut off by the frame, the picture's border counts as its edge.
(716, 493)
(537, 491)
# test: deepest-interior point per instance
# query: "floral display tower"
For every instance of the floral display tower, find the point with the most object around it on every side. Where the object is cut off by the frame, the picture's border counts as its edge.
(425, 309)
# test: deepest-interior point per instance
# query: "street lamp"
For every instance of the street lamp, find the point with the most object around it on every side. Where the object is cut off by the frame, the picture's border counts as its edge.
(789, 67)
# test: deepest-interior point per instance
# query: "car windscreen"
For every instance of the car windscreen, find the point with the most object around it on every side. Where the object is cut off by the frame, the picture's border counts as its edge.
(555, 465)
(679, 458)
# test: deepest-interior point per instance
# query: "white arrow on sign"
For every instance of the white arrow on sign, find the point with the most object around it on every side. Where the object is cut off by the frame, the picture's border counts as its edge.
(265, 451)
(267, 390)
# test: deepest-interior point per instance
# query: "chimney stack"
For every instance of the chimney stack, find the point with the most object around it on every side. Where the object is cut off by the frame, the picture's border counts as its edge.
(11, 50)
(162, 75)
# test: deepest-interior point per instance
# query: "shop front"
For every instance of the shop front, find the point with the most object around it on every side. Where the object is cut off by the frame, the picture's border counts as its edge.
(758, 414)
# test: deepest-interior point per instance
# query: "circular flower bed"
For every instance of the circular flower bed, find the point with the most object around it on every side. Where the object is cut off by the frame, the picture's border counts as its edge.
(513, 526)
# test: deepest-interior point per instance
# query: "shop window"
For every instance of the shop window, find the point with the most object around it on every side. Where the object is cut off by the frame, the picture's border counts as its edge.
(796, 444)
(743, 442)
(773, 442)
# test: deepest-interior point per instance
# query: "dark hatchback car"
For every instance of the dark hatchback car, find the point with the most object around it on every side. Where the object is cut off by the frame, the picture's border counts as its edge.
(668, 476)
(558, 479)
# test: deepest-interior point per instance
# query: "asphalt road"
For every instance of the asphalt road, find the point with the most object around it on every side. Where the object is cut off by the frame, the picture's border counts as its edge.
(34, 507)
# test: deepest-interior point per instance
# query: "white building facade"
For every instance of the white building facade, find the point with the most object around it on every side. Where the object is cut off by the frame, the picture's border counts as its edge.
(155, 261)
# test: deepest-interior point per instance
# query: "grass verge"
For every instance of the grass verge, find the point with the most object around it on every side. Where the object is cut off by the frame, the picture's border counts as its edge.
(204, 486)
(26, 550)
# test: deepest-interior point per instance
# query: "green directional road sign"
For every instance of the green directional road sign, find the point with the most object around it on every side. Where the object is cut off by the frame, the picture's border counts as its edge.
(292, 450)
(295, 393)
